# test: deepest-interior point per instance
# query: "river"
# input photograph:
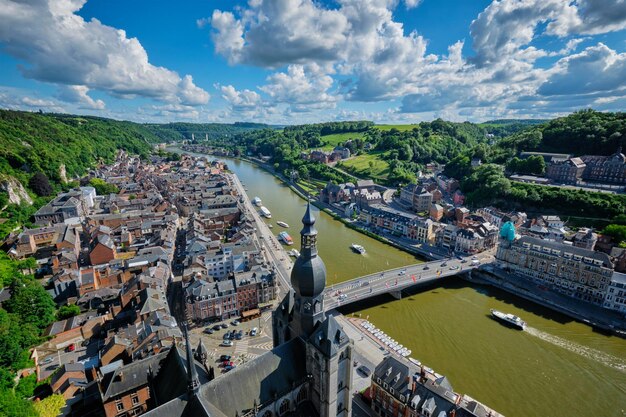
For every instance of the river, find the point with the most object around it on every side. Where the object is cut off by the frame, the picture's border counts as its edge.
(557, 368)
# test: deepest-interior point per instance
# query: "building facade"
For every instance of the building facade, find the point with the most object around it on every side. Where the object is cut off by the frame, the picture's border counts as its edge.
(576, 272)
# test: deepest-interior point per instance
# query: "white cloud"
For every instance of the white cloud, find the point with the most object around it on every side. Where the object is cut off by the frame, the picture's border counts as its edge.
(411, 4)
(60, 47)
(78, 94)
(303, 89)
(597, 69)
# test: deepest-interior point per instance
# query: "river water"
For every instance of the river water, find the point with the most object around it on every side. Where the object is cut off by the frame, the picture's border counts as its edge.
(557, 368)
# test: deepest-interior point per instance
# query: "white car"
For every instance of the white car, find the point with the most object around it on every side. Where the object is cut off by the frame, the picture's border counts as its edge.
(226, 343)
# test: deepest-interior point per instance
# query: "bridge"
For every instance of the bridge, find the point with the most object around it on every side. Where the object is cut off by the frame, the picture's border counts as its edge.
(394, 281)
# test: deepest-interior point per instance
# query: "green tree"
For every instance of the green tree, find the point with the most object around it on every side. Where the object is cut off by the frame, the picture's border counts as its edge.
(31, 303)
(68, 311)
(616, 231)
(12, 406)
(50, 406)
(102, 187)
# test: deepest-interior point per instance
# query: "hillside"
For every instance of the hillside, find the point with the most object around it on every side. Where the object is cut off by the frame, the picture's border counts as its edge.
(175, 132)
(33, 142)
(580, 133)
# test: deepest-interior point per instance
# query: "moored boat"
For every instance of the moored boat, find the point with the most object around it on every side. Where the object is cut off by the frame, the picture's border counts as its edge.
(281, 223)
(294, 252)
(256, 201)
(284, 236)
(265, 212)
(357, 248)
(509, 319)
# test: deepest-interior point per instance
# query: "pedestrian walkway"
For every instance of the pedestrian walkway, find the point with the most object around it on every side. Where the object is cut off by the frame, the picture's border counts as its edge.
(241, 347)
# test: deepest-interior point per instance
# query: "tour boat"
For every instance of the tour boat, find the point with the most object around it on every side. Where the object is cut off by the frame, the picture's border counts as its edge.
(284, 236)
(509, 319)
(265, 212)
(357, 248)
(281, 223)
(256, 201)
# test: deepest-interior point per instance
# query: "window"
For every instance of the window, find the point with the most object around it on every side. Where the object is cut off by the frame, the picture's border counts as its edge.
(119, 405)
(135, 399)
(302, 395)
(284, 407)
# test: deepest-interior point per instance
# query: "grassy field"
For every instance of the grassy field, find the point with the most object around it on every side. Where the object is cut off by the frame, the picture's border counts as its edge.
(311, 186)
(338, 138)
(360, 165)
(401, 128)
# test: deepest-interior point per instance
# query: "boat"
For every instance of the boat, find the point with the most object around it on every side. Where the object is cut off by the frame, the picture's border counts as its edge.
(271, 226)
(284, 236)
(414, 361)
(509, 319)
(265, 212)
(357, 248)
(281, 223)
(256, 201)
(294, 252)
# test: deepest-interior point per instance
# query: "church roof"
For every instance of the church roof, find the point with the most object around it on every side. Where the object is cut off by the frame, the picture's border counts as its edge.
(329, 338)
(308, 276)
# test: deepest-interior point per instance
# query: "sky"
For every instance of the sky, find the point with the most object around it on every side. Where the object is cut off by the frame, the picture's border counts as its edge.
(303, 61)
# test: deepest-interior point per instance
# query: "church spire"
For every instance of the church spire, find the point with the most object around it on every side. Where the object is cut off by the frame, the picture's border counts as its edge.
(308, 234)
(192, 375)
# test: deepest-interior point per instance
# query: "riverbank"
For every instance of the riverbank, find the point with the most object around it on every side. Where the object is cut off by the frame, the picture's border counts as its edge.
(594, 316)
(425, 253)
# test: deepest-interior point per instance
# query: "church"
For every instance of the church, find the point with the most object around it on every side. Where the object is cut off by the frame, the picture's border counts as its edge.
(308, 373)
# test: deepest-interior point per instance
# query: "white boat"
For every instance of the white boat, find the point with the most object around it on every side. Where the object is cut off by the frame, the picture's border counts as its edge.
(281, 223)
(509, 319)
(295, 253)
(265, 212)
(357, 248)
(270, 226)
(414, 361)
(256, 201)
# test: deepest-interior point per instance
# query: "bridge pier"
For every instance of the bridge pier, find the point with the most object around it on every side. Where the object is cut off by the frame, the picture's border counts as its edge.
(396, 294)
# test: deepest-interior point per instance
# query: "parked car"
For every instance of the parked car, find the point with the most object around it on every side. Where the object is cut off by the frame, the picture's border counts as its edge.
(235, 322)
(217, 327)
(208, 330)
(254, 331)
(85, 343)
(226, 343)
(239, 335)
(71, 348)
(224, 325)
(226, 336)
(228, 368)
(47, 360)
(364, 370)
(225, 358)
(464, 261)
(227, 363)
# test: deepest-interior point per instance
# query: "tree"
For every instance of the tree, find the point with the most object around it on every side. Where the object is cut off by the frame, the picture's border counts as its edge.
(102, 187)
(616, 231)
(40, 184)
(31, 303)
(50, 406)
(68, 311)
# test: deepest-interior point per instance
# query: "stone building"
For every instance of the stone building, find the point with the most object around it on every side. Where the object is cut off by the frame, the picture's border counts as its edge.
(403, 389)
(416, 197)
(576, 272)
(567, 171)
(608, 169)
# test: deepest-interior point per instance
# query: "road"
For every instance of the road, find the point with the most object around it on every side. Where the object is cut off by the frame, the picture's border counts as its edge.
(398, 279)
(268, 241)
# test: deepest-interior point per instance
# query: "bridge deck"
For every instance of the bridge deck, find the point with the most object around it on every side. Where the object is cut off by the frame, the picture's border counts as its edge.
(398, 279)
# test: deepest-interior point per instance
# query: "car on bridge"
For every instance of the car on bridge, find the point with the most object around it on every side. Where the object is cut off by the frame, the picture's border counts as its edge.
(365, 283)
(426, 267)
(454, 268)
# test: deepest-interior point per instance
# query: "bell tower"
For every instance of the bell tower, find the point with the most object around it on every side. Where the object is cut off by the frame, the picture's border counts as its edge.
(308, 279)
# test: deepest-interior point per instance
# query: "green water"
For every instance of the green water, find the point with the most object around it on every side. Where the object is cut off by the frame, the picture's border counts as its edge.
(558, 368)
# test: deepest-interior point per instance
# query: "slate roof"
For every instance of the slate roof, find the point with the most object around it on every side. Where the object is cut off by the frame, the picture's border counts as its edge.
(131, 376)
(329, 338)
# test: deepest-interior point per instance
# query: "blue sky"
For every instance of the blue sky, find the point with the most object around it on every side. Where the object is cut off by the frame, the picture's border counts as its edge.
(299, 61)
